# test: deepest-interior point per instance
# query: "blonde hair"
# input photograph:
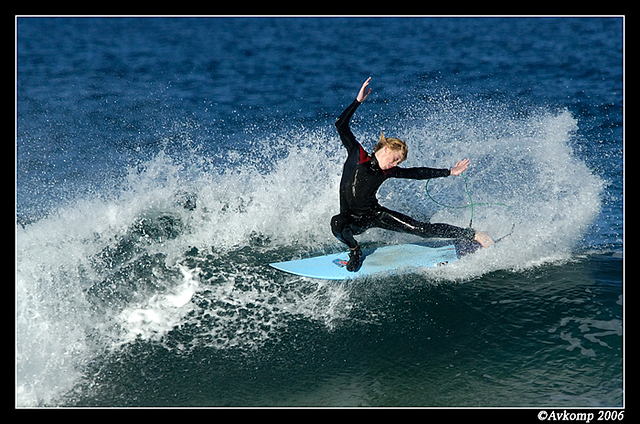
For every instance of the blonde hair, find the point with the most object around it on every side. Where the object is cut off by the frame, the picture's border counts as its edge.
(393, 144)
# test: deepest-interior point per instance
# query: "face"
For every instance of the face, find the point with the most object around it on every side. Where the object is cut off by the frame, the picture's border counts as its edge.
(388, 158)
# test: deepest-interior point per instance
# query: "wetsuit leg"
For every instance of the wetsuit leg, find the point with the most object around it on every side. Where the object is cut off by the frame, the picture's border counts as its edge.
(395, 221)
(344, 228)
(341, 228)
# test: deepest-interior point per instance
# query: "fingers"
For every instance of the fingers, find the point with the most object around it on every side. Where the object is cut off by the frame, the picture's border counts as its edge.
(462, 163)
(364, 92)
(460, 167)
(364, 85)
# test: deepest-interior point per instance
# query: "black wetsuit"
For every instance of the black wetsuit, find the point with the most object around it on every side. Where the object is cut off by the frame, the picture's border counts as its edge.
(359, 207)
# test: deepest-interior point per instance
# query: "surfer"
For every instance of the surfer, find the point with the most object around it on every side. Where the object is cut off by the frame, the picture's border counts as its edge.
(362, 175)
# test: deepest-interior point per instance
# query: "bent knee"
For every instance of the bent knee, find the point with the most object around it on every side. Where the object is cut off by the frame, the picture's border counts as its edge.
(337, 224)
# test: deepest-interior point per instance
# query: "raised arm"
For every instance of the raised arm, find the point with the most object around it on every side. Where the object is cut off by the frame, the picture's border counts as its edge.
(343, 120)
(342, 123)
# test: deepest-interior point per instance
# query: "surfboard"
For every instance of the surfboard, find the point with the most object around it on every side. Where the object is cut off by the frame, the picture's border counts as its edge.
(387, 259)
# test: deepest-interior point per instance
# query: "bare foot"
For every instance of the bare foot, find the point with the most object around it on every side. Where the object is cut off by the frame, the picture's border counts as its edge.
(483, 238)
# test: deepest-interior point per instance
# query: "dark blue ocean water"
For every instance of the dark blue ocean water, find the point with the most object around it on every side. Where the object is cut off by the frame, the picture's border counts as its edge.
(163, 162)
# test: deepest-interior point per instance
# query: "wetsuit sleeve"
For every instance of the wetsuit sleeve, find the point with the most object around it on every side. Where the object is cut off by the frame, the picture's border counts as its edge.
(342, 124)
(418, 173)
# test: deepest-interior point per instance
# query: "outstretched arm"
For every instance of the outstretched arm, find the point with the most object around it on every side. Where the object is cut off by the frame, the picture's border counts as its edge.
(424, 173)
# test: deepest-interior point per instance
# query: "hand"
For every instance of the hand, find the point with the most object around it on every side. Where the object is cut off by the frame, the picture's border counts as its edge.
(364, 92)
(460, 167)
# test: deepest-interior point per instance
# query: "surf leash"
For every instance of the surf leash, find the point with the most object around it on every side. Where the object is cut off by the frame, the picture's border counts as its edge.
(471, 205)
